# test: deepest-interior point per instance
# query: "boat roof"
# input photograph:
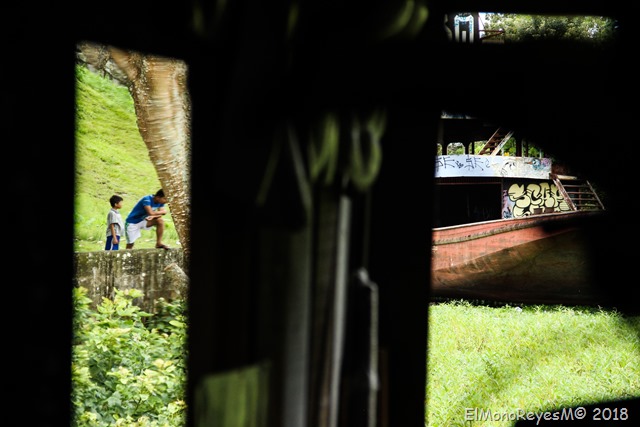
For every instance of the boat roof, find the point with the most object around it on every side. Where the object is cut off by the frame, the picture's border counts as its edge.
(463, 128)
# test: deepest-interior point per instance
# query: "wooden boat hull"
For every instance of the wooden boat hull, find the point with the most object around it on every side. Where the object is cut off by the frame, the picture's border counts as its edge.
(541, 259)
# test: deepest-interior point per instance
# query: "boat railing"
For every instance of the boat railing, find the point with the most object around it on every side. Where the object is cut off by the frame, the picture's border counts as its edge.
(577, 192)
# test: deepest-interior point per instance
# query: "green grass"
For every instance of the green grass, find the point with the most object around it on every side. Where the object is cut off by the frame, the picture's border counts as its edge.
(535, 359)
(111, 158)
(497, 359)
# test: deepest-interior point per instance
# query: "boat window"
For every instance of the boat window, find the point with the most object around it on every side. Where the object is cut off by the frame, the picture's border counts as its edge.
(455, 148)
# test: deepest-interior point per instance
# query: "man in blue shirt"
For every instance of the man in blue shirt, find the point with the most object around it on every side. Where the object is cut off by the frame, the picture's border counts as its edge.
(145, 215)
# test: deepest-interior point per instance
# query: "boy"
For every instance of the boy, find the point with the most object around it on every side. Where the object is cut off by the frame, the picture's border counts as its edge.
(146, 214)
(115, 227)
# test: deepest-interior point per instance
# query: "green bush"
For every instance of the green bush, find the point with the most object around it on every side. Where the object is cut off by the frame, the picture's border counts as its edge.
(128, 366)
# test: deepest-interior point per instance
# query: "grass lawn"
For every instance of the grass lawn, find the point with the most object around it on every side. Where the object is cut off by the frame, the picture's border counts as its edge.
(536, 358)
(111, 158)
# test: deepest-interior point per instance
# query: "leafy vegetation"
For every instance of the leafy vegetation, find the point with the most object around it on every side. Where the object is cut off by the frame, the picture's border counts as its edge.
(457, 148)
(111, 158)
(128, 366)
(536, 358)
(522, 28)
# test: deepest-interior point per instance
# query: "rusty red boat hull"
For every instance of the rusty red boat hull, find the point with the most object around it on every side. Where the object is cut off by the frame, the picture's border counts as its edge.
(542, 259)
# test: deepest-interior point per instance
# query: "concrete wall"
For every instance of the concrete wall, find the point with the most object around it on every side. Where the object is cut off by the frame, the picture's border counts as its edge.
(156, 272)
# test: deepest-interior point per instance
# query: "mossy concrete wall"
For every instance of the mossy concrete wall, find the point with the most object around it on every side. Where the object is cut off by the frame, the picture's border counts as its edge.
(157, 273)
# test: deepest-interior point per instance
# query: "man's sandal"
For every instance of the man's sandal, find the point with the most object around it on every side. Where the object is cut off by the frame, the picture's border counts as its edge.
(165, 247)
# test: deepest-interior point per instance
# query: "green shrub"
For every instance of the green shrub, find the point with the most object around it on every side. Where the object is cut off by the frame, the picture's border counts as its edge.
(128, 366)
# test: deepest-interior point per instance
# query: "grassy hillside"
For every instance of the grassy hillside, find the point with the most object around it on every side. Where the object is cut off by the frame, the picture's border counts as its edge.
(111, 158)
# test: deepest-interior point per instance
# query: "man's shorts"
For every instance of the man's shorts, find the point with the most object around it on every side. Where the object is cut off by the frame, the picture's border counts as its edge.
(133, 231)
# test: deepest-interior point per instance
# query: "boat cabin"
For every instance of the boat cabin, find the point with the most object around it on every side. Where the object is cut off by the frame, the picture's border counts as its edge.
(483, 172)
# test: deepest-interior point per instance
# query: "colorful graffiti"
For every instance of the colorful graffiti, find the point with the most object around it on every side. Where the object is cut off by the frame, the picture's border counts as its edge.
(524, 199)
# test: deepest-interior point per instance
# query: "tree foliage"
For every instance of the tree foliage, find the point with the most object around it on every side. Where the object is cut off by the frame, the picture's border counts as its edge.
(525, 28)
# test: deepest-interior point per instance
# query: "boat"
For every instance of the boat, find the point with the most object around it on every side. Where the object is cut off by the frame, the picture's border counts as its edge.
(509, 226)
